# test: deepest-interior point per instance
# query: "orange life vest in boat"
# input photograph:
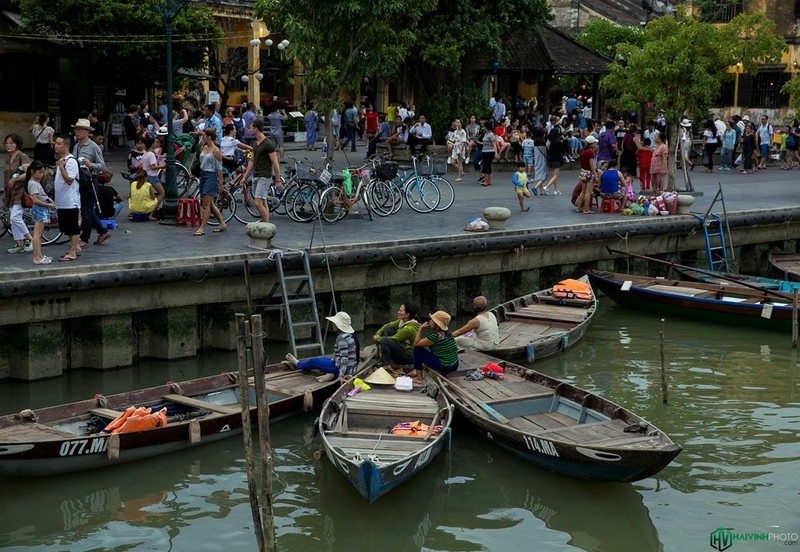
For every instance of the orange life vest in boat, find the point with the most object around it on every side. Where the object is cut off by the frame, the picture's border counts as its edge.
(415, 429)
(573, 289)
(137, 419)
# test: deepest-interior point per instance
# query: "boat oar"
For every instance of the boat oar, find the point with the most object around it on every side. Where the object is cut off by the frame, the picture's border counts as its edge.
(783, 296)
(475, 404)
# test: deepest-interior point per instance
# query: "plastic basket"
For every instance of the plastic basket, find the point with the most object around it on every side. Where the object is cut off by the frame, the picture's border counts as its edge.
(305, 172)
(386, 171)
(438, 167)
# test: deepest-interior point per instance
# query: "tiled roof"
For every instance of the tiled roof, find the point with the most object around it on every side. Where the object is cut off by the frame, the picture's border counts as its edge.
(604, 8)
(546, 49)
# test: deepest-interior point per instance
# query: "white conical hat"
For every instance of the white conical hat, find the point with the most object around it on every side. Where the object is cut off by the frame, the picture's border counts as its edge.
(380, 377)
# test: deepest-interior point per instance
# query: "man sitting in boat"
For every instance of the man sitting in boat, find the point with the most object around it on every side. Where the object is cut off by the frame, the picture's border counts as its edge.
(480, 333)
(434, 347)
(395, 340)
(345, 352)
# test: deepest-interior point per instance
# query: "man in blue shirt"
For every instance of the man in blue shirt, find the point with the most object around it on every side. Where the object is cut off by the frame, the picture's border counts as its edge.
(384, 131)
(213, 120)
(247, 118)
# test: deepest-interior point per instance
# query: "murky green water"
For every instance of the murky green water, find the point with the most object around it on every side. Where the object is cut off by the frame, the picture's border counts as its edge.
(734, 406)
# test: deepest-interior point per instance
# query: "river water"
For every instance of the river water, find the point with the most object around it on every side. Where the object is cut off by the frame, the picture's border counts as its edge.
(734, 405)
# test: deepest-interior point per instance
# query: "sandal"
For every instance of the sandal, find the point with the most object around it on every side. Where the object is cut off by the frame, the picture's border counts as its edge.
(221, 229)
(199, 233)
(66, 257)
(102, 239)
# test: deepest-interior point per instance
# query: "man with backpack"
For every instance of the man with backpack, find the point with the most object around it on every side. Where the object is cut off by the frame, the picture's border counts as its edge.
(765, 140)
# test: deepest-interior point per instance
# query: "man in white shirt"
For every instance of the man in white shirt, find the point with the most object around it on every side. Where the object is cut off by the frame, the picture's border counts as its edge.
(68, 198)
(650, 132)
(420, 134)
(764, 140)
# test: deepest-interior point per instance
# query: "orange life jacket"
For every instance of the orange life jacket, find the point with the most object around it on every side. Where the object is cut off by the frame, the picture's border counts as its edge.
(573, 289)
(415, 429)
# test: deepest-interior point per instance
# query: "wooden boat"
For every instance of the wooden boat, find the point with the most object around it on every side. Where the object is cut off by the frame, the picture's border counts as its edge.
(356, 434)
(558, 426)
(66, 438)
(787, 262)
(700, 301)
(539, 325)
(740, 280)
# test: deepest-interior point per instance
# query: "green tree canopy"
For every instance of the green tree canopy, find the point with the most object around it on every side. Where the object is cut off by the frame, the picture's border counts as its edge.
(125, 37)
(683, 63)
(603, 36)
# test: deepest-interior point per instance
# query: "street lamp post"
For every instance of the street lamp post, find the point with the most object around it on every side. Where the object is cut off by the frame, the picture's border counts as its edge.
(169, 10)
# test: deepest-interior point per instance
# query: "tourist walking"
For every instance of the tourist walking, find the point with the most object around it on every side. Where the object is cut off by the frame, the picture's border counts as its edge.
(40, 211)
(276, 117)
(488, 153)
(91, 162)
(210, 181)
(14, 180)
(458, 154)
(311, 119)
(658, 165)
(263, 164)
(68, 198)
(43, 139)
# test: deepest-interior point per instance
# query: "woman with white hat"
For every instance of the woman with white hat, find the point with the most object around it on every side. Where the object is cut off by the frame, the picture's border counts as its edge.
(434, 347)
(686, 142)
(345, 352)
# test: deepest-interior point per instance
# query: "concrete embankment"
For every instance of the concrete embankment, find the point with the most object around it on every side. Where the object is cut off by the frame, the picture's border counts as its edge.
(155, 291)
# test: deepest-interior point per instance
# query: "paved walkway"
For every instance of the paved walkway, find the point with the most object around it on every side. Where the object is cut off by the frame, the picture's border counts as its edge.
(151, 244)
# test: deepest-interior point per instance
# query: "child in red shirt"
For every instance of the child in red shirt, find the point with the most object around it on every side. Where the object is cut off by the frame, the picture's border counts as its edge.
(644, 155)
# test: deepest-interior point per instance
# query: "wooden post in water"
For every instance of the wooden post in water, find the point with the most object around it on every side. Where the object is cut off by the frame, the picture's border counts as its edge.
(247, 287)
(663, 364)
(242, 334)
(263, 432)
(794, 319)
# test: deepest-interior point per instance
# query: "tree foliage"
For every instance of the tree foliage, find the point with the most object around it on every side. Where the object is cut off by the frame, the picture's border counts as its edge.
(457, 28)
(792, 88)
(603, 36)
(338, 42)
(683, 63)
(124, 37)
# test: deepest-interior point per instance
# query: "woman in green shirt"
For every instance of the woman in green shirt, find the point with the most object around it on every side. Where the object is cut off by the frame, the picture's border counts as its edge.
(434, 347)
(395, 340)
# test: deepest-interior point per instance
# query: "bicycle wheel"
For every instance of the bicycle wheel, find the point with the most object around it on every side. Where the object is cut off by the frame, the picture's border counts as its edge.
(279, 200)
(305, 203)
(183, 179)
(382, 198)
(421, 195)
(447, 194)
(5, 221)
(333, 204)
(226, 205)
(245, 211)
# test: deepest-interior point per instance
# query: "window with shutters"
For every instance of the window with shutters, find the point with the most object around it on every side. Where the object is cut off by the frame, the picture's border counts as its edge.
(721, 11)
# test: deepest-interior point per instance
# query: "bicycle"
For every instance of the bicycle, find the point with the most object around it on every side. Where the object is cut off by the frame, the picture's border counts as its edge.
(224, 201)
(435, 171)
(51, 232)
(336, 202)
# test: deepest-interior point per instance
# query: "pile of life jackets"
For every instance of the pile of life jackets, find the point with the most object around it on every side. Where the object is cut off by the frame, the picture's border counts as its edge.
(573, 289)
(137, 419)
(414, 429)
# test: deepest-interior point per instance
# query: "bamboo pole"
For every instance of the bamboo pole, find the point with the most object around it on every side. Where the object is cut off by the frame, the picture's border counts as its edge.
(247, 287)
(794, 318)
(663, 365)
(263, 433)
(242, 333)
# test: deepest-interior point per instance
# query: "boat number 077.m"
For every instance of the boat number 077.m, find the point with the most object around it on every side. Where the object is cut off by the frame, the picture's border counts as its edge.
(83, 446)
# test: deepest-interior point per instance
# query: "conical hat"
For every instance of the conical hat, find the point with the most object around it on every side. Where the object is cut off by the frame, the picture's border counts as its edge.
(380, 377)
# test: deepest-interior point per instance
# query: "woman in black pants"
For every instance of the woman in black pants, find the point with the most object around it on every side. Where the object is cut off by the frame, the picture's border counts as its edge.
(489, 152)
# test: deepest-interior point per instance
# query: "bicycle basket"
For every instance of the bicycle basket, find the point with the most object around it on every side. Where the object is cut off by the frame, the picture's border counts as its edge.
(432, 167)
(305, 172)
(386, 171)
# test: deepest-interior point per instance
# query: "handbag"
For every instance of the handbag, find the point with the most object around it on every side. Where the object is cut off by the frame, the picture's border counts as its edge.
(706, 159)
(27, 200)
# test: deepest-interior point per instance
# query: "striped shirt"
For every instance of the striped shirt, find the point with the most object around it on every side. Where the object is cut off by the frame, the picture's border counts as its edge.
(444, 348)
(345, 354)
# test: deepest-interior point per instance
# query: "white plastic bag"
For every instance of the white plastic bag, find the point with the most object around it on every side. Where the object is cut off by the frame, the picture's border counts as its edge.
(477, 225)
(404, 383)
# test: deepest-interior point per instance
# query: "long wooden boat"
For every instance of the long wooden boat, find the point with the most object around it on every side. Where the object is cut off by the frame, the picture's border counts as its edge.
(557, 426)
(67, 438)
(786, 262)
(740, 280)
(700, 301)
(539, 325)
(356, 434)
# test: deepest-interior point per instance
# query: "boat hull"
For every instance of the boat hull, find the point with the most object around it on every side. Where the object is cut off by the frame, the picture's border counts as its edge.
(696, 308)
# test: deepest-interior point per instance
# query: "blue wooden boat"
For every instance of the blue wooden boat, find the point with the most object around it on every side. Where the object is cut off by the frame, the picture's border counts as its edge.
(557, 426)
(356, 434)
(727, 304)
(741, 280)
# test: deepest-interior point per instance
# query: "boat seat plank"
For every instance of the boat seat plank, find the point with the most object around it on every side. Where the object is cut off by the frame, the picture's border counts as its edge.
(372, 443)
(105, 413)
(33, 432)
(526, 425)
(593, 433)
(520, 398)
(205, 405)
(546, 421)
(676, 290)
(551, 312)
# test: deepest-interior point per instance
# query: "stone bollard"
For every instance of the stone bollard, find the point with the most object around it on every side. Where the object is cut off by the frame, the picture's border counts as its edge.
(261, 234)
(685, 203)
(496, 217)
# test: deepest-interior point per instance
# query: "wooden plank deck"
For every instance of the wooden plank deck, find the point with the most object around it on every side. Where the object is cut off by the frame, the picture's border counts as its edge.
(205, 405)
(558, 313)
(30, 432)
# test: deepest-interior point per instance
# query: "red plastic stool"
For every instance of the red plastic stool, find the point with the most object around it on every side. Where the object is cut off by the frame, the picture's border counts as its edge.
(188, 212)
(611, 205)
(594, 203)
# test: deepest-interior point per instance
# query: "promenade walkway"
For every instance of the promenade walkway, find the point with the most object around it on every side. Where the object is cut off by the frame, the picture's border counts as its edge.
(150, 244)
